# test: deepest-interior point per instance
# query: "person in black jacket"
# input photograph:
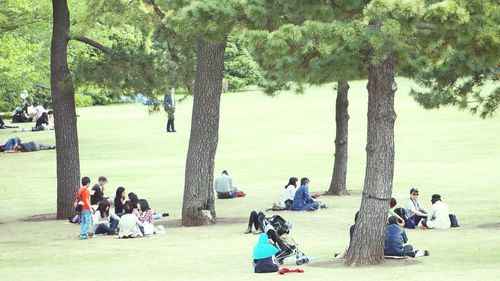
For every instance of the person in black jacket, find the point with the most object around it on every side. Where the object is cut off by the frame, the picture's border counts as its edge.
(98, 191)
(119, 200)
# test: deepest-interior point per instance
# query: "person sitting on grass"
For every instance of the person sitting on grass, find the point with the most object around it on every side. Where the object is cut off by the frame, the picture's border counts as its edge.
(415, 211)
(129, 224)
(263, 256)
(43, 122)
(102, 219)
(439, 216)
(119, 200)
(302, 201)
(396, 239)
(97, 193)
(133, 201)
(224, 187)
(20, 116)
(290, 190)
(393, 210)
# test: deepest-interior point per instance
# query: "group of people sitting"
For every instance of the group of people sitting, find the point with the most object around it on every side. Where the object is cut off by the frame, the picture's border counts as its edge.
(129, 218)
(415, 215)
(15, 145)
(43, 119)
(411, 216)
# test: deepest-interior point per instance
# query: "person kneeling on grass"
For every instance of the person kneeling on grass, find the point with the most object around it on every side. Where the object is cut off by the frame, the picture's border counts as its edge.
(396, 239)
(224, 187)
(129, 224)
(102, 222)
(263, 256)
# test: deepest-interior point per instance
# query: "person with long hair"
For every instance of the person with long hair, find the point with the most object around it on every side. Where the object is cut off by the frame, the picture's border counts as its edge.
(102, 219)
(290, 189)
(119, 200)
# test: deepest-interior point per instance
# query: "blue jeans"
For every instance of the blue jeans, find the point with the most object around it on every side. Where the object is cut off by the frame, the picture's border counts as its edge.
(9, 145)
(86, 220)
(104, 229)
(311, 206)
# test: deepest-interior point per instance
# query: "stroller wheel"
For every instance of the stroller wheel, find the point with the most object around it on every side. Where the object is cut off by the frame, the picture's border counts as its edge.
(300, 262)
(306, 260)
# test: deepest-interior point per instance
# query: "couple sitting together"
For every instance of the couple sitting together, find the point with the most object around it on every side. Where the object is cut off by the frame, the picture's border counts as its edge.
(298, 199)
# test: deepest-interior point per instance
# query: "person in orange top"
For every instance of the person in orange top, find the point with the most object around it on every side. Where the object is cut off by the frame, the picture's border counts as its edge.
(84, 195)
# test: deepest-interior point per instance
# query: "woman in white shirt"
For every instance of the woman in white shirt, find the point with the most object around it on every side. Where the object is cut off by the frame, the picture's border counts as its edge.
(290, 189)
(101, 219)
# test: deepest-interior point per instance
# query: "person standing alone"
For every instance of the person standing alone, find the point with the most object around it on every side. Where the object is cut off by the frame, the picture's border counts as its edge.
(169, 105)
(84, 195)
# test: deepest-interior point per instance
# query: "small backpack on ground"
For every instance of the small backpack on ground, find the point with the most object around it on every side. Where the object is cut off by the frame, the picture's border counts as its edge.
(453, 220)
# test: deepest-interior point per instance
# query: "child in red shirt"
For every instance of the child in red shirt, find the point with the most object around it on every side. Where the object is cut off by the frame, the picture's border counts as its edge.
(84, 194)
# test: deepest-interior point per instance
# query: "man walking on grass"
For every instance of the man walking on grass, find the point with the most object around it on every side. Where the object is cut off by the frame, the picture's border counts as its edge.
(169, 104)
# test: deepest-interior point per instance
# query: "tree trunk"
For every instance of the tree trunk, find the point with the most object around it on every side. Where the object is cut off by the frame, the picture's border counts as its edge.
(338, 184)
(63, 99)
(199, 177)
(367, 245)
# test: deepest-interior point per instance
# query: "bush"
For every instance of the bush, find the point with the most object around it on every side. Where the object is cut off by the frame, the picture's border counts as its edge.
(83, 100)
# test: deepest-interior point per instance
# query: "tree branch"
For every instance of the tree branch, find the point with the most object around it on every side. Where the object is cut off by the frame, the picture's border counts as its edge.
(423, 25)
(90, 42)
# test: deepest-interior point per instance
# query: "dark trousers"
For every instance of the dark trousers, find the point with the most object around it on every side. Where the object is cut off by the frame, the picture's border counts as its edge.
(407, 252)
(256, 220)
(104, 229)
(170, 125)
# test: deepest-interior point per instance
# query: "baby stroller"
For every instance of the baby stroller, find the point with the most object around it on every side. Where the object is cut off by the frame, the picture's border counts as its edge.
(280, 230)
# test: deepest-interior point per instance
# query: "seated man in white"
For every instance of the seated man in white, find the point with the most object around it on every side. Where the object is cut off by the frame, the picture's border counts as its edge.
(439, 216)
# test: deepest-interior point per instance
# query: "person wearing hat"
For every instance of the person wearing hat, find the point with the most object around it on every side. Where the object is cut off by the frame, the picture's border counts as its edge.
(439, 216)
(415, 211)
(263, 254)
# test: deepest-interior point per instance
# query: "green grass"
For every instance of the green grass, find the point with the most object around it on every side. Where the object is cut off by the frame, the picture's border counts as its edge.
(263, 141)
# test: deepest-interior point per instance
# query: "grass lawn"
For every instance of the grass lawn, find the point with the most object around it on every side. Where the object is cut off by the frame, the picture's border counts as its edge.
(263, 141)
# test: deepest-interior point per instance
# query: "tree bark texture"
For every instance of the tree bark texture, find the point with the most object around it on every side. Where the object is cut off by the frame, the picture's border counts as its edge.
(338, 183)
(63, 99)
(204, 137)
(367, 245)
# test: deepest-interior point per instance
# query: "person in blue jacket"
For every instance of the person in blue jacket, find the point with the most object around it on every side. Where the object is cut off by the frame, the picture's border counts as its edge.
(263, 254)
(396, 239)
(302, 201)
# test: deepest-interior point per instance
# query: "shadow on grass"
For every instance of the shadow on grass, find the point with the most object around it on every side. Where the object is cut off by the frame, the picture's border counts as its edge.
(41, 217)
(220, 221)
(387, 263)
(494, 225)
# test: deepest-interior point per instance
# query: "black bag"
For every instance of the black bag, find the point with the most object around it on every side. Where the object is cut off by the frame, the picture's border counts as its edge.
(454, 221)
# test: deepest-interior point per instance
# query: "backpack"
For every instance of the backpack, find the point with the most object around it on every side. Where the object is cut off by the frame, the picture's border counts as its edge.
(453, 220)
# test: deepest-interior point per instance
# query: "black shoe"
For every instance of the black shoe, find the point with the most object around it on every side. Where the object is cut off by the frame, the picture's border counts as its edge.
(165, 215)
(426, 253)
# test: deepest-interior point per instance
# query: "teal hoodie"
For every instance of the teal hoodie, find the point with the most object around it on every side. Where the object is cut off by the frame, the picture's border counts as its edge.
(263, 249)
